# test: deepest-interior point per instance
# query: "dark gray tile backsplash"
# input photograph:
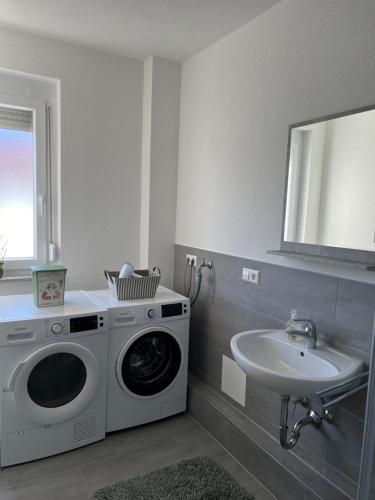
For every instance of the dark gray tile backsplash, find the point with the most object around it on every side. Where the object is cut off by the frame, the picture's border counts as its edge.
(342, 309)
(344, 313)
(355, 314)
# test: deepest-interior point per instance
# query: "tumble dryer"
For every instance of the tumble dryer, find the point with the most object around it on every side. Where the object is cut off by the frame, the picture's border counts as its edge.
(148, 357)
(53, 367)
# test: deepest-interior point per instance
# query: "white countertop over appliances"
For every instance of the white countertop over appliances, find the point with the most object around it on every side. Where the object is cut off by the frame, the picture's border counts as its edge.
(18, 307)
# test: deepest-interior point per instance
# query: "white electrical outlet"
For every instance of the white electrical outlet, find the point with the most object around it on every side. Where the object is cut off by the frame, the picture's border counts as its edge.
(192, 258)
(251, 275)
(245, 274)
(254, 276)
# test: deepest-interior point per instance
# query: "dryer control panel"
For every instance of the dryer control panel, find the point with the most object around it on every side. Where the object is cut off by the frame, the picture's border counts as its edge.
(57, 327)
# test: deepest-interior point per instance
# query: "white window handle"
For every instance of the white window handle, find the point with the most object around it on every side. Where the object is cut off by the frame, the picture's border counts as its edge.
(42, 204)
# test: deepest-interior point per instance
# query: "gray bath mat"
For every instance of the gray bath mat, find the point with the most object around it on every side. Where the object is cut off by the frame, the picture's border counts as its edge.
(196, 479)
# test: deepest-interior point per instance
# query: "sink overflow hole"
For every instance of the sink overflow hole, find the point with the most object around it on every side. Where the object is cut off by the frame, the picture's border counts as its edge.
(302, 354)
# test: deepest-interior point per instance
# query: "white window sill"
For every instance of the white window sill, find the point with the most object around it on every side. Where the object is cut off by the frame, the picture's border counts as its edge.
(16, 277)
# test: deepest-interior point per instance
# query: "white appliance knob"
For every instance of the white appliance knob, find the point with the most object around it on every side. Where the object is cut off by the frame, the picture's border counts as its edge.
(57, 328)
(151, 313)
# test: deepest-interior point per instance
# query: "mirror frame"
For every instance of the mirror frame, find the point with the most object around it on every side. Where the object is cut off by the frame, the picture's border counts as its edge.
(349, 255)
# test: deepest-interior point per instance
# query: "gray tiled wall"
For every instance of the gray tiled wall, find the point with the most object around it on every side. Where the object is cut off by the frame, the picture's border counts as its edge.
(344, 313)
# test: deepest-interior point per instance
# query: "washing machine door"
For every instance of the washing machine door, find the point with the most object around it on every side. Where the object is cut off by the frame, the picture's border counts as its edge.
(55, 383)
(149, 363)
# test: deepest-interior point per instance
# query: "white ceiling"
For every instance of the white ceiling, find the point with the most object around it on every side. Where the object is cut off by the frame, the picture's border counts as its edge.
(173, 29)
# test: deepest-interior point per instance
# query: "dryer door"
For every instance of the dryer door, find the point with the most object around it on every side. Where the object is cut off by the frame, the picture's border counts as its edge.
(150, 362)
(55, 382)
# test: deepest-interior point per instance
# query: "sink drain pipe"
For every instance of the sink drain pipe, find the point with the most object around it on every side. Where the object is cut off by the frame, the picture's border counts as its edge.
(311, 418)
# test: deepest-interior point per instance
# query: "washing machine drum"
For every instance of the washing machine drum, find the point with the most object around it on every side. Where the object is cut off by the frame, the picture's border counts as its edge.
(149, 363)
(55, 382)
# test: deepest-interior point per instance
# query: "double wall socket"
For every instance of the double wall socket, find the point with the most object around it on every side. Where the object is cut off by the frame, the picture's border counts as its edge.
(251, 275)
(192, 259)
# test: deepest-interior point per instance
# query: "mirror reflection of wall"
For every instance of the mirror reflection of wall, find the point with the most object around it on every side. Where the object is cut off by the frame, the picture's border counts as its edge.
(331, 183)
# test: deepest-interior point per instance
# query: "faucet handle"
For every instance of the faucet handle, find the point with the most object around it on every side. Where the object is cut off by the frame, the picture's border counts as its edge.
(295, 314)
(290, 324)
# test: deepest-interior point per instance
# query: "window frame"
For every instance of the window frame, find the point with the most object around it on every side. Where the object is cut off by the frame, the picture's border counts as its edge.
(41, 198)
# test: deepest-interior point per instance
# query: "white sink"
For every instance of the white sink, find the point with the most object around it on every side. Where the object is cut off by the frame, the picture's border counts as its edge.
(285, 366)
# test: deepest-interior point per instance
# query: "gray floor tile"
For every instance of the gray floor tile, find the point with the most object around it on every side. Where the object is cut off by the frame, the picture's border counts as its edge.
(40, 469)
(61, 486)
(311, 496)
(77, 474)
(137, 437)
(167, 449)
(328, 493)
(247, 480)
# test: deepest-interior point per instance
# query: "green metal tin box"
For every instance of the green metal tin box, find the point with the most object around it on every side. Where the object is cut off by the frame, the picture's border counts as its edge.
(48, 285)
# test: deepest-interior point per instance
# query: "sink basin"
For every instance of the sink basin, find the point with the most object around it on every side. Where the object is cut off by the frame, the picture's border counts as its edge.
(285, 366)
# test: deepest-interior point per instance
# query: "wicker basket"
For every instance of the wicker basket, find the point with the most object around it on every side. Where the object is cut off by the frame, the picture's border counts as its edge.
(141, 286)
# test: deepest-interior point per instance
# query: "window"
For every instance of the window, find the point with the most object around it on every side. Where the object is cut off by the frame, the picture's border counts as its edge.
(24, 211)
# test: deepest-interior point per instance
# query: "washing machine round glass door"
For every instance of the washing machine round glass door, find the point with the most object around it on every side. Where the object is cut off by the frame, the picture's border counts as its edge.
(55, 382)
(150, 362)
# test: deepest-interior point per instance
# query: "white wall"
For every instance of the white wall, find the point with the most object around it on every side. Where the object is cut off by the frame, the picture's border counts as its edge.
(146, 162)
(307, 167)
(101, 105)
(161, 106)
(314, 182)
(301, 59)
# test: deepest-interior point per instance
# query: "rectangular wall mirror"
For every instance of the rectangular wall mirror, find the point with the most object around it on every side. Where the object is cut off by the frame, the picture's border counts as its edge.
(329, 201)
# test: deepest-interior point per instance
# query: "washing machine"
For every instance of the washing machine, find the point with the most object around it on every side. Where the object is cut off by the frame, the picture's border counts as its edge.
(147, 357)
(53, 369)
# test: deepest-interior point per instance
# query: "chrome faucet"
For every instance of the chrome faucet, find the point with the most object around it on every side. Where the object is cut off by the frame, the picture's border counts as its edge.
(304, 328)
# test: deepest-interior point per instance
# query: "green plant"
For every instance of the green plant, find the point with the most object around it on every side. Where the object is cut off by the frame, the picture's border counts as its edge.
(3, 251)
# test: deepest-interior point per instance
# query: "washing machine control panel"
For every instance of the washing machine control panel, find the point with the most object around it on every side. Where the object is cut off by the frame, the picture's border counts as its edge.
(58, 327)
(164, 311)
(169, 310)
